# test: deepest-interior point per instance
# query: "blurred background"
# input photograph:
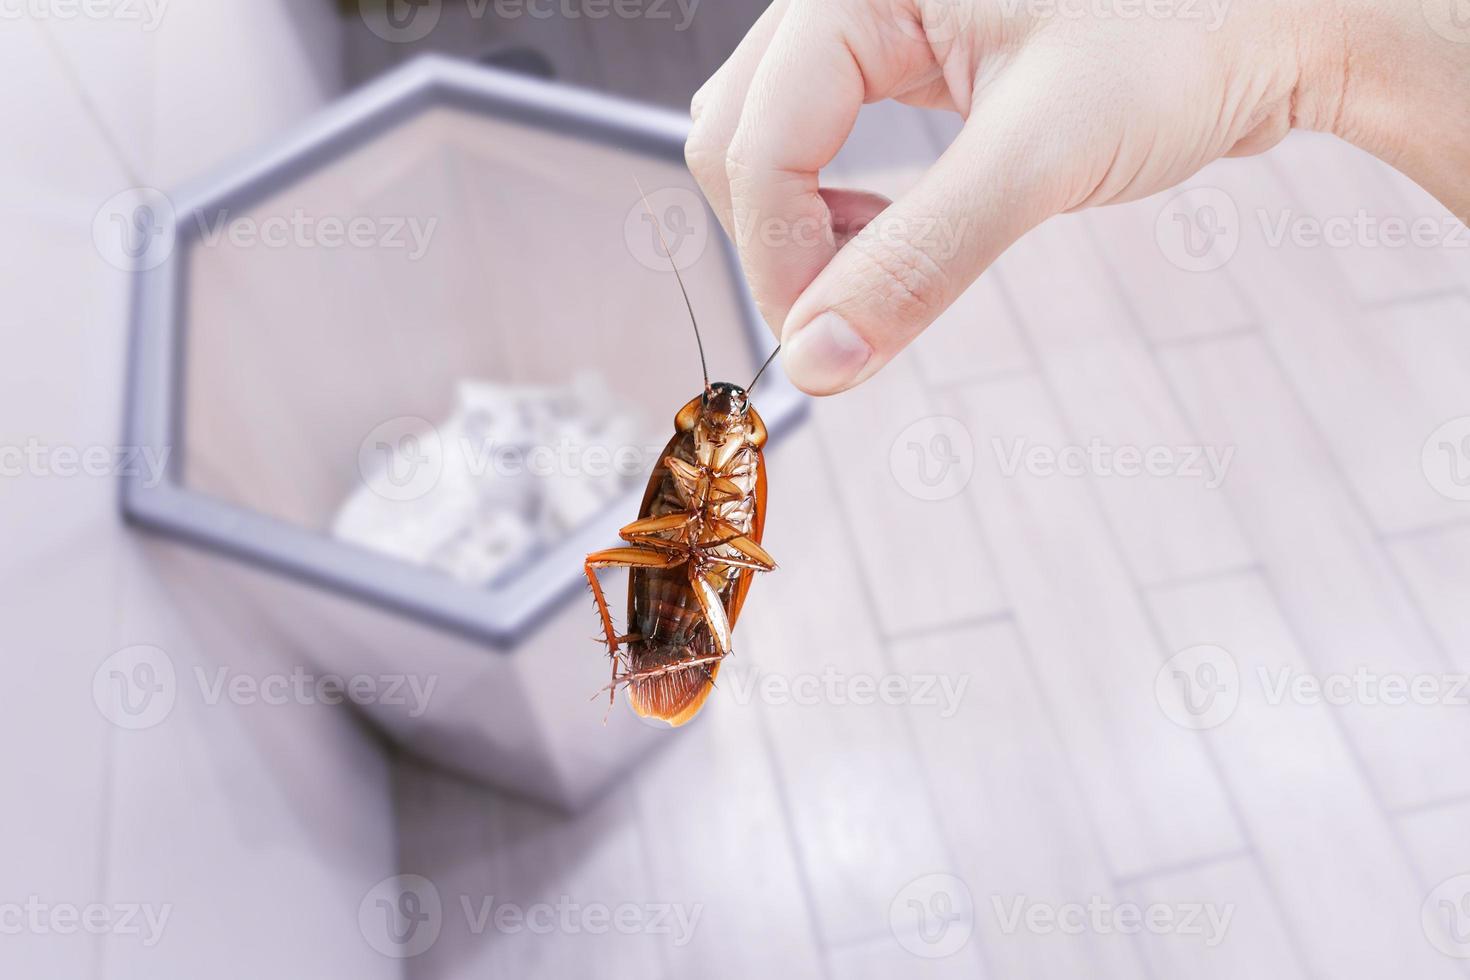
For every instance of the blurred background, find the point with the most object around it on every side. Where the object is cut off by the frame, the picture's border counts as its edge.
(1121, 625)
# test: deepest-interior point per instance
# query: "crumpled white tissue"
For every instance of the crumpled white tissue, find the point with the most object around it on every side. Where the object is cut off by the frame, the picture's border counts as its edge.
(520, 466)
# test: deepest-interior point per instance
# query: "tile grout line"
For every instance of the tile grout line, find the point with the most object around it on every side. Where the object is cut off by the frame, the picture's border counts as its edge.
(885, 654)
(103, 130)
(1184, 867)
(1140, 592)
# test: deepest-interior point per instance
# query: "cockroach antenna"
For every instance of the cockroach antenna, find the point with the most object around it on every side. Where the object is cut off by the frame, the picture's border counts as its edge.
(763, 369)
(658, 227)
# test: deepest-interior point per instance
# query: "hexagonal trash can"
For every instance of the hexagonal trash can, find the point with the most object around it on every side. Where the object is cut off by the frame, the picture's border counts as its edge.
(333, 320)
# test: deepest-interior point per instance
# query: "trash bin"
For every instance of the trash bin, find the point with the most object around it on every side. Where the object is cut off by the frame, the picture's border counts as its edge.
(315, 329)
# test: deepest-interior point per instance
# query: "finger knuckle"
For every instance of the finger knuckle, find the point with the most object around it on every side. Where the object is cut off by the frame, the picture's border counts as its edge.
(739, 160)
(704, 156)
(699, 102)
(904, 276)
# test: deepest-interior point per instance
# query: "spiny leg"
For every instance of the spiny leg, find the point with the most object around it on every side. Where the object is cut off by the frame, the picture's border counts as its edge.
(625, 557)
(669, 532)
(663, 670)
(721, 538)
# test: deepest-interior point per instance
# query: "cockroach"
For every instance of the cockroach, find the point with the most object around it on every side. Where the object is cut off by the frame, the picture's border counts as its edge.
(694, 550)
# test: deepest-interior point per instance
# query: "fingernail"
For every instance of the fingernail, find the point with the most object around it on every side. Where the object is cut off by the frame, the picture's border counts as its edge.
(826, 355)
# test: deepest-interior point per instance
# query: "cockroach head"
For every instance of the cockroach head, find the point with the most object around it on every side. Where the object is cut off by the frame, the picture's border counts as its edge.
(725, 403)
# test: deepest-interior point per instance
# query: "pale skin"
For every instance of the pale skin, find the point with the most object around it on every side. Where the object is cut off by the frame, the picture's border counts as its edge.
(1062, 112)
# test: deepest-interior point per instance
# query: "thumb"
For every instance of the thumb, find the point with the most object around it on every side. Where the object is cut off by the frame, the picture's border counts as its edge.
(996, 181)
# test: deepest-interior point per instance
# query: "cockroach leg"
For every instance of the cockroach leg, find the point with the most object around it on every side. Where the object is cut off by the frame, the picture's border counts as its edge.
(748, 552)
(657, 526)
(702, 663)
(667, 533)
(714, 610)
(627, 557)
(609, 635)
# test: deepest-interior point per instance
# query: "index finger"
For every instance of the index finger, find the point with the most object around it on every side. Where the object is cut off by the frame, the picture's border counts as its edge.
(802, 105)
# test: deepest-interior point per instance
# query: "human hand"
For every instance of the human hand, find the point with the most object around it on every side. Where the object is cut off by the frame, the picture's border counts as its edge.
(1067, 104)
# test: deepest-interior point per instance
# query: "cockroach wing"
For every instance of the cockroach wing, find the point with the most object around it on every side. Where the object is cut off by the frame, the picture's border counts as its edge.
(757, 532)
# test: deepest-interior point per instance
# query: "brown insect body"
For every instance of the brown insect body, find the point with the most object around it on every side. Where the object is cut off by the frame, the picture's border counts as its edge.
(692, 553)
(694, 549)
